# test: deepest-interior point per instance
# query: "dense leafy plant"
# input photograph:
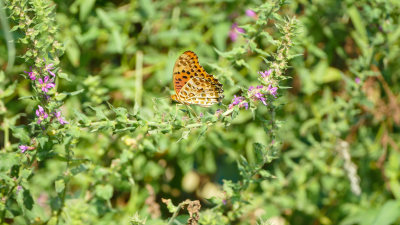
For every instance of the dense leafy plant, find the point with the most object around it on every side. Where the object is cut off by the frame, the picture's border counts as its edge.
(306, 132)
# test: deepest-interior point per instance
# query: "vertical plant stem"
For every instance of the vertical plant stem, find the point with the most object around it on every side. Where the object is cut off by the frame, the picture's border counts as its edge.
(138, 81)
(6, 134)
(175, 213)
(7, 36)
(66, 173)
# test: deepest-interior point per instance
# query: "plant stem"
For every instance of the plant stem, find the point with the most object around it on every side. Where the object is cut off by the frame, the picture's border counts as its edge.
(8, 36)
(64, 193)
(6, 134)
(138, 82)
(175, 213)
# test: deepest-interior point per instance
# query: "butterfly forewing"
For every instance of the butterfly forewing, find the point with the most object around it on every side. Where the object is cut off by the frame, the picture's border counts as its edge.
(192, 84)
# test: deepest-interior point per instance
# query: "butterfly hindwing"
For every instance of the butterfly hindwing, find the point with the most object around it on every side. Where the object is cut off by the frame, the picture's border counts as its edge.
(201, 92)
(192, 84)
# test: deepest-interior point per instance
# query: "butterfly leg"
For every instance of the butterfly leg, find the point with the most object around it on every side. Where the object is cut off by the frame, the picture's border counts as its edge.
(193, 112)
(176, 111)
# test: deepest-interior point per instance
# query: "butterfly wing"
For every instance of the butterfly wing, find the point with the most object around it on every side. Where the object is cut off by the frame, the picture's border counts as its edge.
(187, 69)
(181, 73)
(201, 92)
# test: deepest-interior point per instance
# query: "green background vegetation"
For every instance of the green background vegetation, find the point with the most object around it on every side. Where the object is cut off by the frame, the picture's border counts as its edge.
(324, 117)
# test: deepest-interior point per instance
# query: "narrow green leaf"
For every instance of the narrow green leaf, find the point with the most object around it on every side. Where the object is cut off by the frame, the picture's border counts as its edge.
(60, 185)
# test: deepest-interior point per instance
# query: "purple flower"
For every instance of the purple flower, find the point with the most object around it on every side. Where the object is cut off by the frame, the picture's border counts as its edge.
(238, 29)
(23, 148)
(218, 112)
(272, 90)
(260, 87)
(41, 114)
(238, 101)
(49, 67)
(31, 74)
(251, 13)
(357, 80)
(19, 188)
(245, 104)
(233, 33)
(265, 73)
(260, 97)
(250, 88)
(61, 119)
(45, 85)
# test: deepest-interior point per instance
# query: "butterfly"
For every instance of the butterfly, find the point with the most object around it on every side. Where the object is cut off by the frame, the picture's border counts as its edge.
(192, 84)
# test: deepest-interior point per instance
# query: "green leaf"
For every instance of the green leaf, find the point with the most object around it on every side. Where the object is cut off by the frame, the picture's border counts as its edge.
(42, 139)
(388, 213)
(265, 174)
(185, 135)
(104, 191)
(72, 51)
(259, 149)
(74, 92)
(60, 96)
(8, 160)
(78, 169)
(28, 200)
(203, 130)
(99, 113)
(26, 173)
(20, 133)
(64, 76)
(86, 7)
(55, 203)
(60, 185)
(9, 90)
(220, 34)
(82, 117)
(24, 200)
(332, 74)
(358, 23)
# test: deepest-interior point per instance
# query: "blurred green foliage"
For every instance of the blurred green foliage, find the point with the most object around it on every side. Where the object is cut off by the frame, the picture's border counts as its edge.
(337, 124)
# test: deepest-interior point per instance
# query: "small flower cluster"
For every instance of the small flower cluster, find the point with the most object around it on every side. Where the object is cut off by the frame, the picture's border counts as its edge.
(23, 148)
(234, 32)
(270, 81)
(240, 101)
(44, 79)
(258, 93)
(46, 83)
(251, 13)
(42, 115)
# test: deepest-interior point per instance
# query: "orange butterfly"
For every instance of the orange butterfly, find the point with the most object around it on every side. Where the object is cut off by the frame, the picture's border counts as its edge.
(193, 85)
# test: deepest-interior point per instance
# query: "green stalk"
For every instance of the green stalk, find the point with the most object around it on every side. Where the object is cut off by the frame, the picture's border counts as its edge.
(8, 36)
(138, 82)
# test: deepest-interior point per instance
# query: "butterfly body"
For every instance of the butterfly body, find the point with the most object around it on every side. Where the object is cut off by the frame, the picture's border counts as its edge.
(193, 85)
